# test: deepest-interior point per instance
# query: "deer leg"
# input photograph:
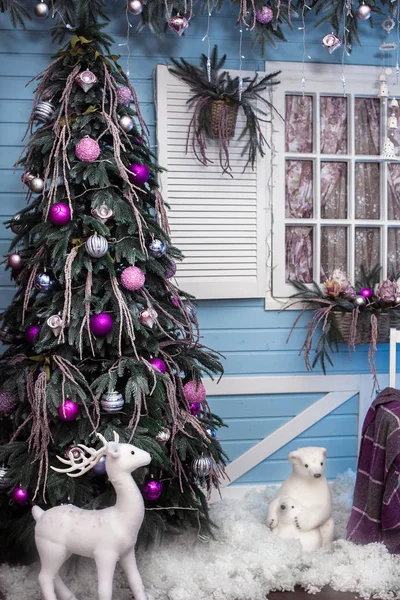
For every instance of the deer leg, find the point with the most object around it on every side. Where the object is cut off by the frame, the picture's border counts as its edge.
(63, 592)
(105, 563)
(128, 563)
(52, 556)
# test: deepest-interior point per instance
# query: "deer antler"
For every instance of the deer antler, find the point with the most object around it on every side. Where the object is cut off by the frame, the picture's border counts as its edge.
(81, 465)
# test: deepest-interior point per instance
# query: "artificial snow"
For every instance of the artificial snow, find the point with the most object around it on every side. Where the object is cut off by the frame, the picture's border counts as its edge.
(244, 562)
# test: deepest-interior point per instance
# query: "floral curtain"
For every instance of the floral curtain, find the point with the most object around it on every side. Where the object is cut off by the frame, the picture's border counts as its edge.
(333, 184)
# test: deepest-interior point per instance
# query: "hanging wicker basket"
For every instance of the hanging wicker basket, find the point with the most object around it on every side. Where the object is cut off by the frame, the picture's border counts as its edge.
(364, 329)
(217, 106)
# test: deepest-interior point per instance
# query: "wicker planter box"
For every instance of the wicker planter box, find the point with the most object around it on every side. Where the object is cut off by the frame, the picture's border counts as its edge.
(364, 333)
(216, 111)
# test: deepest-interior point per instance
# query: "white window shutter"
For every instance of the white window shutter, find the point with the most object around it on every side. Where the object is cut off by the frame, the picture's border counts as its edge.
(217, 221)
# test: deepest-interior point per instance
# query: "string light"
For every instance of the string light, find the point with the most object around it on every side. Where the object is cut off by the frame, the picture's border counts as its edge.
(241, 57)
(207, 37)
(305, 54)
(346, 47)
(127, 44)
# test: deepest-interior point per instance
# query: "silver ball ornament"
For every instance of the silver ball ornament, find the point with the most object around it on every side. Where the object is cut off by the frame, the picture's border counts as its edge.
(44, 112)
(157, 248)
(126, 123)
(41, 9)
(360, 301)
(36, 185)
(191, 309)
(135, 7)
(44, 282)
(96, 246)
(112, 402)
(202, 466)
(4, 481)
(163, 436)
(16, 227)
(364, 12)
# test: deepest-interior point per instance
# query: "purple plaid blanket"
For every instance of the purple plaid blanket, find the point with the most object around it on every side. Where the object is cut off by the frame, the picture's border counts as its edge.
(375, 516)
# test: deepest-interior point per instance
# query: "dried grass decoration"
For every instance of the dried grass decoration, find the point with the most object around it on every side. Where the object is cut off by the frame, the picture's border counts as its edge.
(215, 102)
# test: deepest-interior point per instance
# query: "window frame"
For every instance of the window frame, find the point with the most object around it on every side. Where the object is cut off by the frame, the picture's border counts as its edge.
(320, 79)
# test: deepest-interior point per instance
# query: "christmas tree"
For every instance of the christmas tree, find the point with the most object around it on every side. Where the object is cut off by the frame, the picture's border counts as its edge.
(99, 337)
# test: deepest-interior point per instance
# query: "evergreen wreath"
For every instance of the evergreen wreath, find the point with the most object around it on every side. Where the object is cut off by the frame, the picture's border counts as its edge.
(216, 98)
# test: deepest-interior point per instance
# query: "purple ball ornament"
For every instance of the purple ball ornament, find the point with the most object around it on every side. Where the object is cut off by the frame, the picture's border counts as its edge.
(139, 174)
(366, 292)
(195, 408)
(101, 324)
(100, 467)
(31, 333)
(265, 15)
(158, 364)
(170, 269)
(152, 490)
(124, 95)
(175, 302)
(87, 150)
(194, 392)
(132, 278)
(68, 411)
(20, 495)
(7, 404)
(59, 214)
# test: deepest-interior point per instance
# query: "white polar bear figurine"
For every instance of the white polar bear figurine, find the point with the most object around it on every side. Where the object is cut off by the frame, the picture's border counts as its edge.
(288, 511)
(308, 488)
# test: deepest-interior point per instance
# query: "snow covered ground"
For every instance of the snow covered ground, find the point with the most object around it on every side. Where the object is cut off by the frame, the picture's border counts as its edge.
(245, 562)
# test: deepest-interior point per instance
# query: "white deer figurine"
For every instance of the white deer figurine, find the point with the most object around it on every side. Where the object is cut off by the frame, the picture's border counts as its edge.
(107, 535)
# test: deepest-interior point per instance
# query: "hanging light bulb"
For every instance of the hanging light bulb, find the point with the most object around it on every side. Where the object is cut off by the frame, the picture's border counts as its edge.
(392, 119)
(383, 86)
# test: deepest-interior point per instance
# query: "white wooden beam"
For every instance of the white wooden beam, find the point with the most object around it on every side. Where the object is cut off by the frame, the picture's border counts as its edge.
(285, 434)
(281, 384)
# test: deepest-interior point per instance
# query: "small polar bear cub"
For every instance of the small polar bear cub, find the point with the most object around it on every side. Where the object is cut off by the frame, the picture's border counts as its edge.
(307, 490)
(288, 511)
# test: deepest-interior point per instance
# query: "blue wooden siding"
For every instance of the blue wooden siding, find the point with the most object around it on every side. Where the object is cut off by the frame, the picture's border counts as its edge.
(253, 340)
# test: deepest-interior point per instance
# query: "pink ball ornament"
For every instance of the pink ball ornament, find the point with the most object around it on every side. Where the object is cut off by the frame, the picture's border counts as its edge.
(87, 150)
(68, 411)
(124, 95)
(366, 292)
(101, 324)
(15, 260)
(158, 364)
(152, 490)
(31, 333)
(195, 408)
(7, 404)
(132, 278)
(20, 495)
(59, 214)
(194, 392)
(139, 174)
(265, 15)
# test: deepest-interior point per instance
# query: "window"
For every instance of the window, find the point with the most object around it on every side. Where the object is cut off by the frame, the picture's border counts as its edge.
(218, 222)
(335, 200)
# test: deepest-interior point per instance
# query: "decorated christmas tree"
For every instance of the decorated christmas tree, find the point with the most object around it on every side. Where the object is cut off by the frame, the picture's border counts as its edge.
(98, 338)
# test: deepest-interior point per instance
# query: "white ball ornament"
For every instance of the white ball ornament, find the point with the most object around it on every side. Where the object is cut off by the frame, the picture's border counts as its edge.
(126, 123)
(41, 9)
(36, 185)
(360, 301)
(96, 246)
(135, 7)
(364, 12)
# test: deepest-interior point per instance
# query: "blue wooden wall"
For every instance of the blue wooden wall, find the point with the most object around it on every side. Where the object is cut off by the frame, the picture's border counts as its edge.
(252, 339)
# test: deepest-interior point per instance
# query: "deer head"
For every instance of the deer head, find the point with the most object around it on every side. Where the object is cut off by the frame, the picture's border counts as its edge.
(121, 458)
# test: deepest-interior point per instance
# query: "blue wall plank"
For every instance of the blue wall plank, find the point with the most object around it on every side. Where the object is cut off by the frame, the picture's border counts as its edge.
(252, 339)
